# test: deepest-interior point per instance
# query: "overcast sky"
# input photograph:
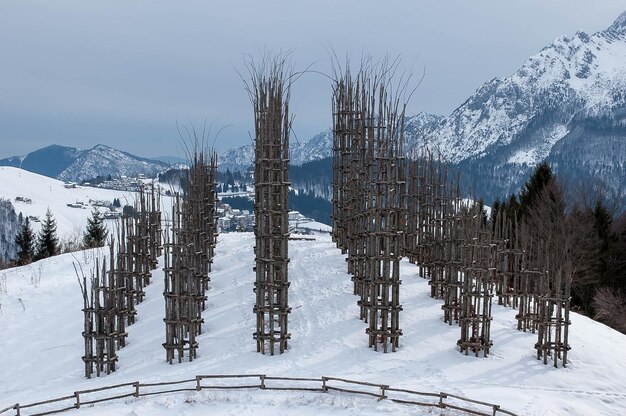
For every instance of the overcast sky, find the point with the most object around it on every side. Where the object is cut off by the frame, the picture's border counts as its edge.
(123, 73)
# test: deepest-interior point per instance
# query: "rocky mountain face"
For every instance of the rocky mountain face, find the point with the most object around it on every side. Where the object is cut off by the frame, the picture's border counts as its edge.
(238, 158)
(566, 105)
(71, 164)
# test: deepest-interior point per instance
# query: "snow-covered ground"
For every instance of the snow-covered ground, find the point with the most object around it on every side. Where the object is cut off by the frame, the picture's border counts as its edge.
(41, 346)
(45, 192)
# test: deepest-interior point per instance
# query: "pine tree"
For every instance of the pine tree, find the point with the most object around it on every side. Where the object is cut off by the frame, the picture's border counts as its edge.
(25, 241)
(512, 207)
(532, 189)
(96, 232)
(603, 225)
(47, 241)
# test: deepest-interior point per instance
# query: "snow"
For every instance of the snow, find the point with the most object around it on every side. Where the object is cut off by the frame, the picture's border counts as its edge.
(41, 342)
(103, 160)
(583, 74)
(532, 156)
(41, 345)
(525, 156)
(51, 193)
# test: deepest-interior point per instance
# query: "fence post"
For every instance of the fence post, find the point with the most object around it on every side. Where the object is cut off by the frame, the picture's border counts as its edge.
(496, 407)
(136, 389)
(17, 409)
(198, 379)
(382, 391)
(77, 404)
(442, 396)
(324, 388)
(262, 376)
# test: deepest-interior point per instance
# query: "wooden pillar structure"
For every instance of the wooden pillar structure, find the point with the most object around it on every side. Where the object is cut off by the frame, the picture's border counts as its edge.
(453, 238)
(269, 93)
(111, 294)
(101, 335)
(553, 303)
(189, 249)
(476, 296)
(369, 204)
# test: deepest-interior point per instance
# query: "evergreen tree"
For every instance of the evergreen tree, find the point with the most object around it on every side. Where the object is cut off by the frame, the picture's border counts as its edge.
(617, 260)
(96, 232)
(532, 189)
(25, 241)
(230, 181)
(584, 253)
(483, 211)
(47, 240)
(511, 207)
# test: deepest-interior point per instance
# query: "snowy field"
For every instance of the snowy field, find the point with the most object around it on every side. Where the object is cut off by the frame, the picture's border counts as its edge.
(41, 346)
(51, 193)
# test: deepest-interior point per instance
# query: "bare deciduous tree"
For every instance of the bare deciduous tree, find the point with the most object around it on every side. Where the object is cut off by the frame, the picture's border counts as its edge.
(610, 307)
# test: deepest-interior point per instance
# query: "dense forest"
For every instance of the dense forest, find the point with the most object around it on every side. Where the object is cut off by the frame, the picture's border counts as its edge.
(595, 234)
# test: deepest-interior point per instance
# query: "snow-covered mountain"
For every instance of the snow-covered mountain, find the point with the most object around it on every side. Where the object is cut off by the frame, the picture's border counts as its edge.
(238, 158)
(317, 147)
(71, 164)
(566, 105)
(104, 160)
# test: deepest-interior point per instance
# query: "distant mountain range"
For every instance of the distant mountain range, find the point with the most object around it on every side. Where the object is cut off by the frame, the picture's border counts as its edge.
(320, 146)
(71, 164)
(566, 105)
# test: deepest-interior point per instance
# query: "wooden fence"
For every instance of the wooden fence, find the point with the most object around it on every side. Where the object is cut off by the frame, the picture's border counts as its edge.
(258, 381)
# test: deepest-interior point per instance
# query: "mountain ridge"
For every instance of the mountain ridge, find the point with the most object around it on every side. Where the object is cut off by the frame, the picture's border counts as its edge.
(566, 104)
(72, 164)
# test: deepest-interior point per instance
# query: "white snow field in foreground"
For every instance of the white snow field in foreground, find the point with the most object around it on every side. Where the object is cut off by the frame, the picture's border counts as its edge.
(41, 345)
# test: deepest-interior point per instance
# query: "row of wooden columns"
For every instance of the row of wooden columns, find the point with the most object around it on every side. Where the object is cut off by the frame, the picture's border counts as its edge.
(190, 247)
(117, 286)
(368, 199)
(386, 208)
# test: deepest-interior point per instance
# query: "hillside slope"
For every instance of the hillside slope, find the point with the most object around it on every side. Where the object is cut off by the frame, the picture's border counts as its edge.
(45, 192)
(41, 345)
(71, 164)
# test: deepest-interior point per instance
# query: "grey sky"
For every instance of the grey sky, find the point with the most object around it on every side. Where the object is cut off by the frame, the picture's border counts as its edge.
(122, 73)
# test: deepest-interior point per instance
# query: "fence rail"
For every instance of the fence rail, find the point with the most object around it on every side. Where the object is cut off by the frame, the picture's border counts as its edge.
(321, 385)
